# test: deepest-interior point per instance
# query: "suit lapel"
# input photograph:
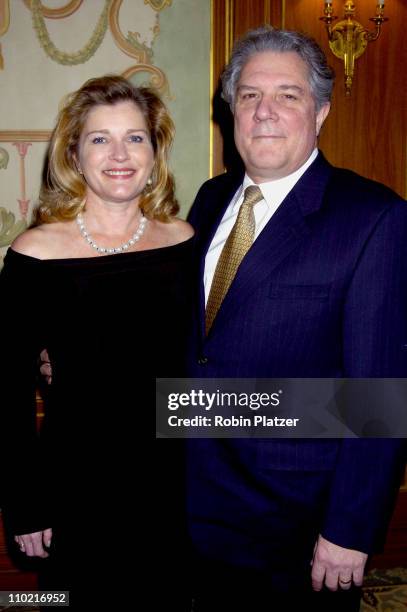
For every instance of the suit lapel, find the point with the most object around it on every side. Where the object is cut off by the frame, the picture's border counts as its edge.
(215, 209)
(220, 200)
(284, 232)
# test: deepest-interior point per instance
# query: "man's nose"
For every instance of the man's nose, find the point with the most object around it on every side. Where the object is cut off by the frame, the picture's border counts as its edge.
(267, 108)
(118, 151)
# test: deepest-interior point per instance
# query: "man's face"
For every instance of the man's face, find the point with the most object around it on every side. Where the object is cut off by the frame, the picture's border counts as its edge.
(276, 124)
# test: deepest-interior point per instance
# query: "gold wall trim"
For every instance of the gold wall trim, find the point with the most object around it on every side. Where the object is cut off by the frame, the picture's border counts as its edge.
(158, 5)
(141, 53)
(158, 78)
(283, 12)
(4, 24)
(267, 12)
(25, 135)
(136, 50)
(229, 33)
(4, 16)
(57, 13)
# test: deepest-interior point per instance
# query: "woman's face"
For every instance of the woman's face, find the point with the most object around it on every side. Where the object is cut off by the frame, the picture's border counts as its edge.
(115, 153)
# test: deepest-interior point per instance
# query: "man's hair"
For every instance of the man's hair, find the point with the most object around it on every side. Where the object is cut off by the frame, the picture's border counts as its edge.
(63, 194)
(266, 38)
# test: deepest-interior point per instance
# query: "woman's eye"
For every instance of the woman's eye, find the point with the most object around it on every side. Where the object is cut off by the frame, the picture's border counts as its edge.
(98, 139)
(136, 138)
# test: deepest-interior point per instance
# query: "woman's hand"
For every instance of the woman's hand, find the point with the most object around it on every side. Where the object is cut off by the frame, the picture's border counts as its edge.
(45, 366)
(32, 544)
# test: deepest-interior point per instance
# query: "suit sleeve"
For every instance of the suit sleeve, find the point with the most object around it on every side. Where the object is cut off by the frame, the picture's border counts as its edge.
(368, 470)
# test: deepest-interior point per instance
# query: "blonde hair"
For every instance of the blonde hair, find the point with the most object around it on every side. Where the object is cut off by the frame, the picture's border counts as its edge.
(63, 194)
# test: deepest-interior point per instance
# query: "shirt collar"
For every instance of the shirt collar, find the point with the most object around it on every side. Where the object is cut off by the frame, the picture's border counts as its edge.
(275, 191)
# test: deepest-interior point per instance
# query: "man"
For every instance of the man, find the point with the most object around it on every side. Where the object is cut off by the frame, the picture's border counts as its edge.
(317, 290)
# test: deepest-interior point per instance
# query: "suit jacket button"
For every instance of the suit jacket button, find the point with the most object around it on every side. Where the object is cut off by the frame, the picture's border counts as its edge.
(202, 360)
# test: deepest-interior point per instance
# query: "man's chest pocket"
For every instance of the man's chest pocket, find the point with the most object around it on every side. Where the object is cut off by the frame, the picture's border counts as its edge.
(281, 291)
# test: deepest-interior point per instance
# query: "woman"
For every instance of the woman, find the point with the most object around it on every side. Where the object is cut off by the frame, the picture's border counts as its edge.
(101, 281)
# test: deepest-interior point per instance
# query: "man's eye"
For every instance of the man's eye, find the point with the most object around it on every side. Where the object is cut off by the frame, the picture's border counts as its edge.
(290, 97)
(98, 139)
(249, 96)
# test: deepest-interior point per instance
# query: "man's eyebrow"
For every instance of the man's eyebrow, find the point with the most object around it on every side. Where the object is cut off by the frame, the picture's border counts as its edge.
(246, 87)
(283, 86)
(295, 87)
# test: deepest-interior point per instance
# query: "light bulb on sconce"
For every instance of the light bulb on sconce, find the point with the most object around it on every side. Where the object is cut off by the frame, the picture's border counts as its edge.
(348, 39)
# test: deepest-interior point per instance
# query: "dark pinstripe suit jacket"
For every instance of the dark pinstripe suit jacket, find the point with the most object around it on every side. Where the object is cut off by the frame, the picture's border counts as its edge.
(321, 293)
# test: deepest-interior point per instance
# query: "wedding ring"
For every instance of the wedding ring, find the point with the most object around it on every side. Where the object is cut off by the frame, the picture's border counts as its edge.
(345, 581)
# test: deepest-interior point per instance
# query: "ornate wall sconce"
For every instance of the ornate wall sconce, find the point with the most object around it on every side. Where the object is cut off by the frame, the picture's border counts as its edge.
(348, 39)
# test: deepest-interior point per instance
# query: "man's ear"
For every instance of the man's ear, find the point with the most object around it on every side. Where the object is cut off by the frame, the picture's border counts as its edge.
(322, 114)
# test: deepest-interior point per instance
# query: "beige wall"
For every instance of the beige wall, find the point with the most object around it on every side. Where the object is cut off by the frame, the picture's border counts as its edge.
(173, 46)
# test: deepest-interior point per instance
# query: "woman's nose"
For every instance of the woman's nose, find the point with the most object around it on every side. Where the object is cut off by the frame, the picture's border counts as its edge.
(118, 151)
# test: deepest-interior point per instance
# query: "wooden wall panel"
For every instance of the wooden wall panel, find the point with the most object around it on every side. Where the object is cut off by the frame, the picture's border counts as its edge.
(230, 20)
(395, 550)
(366, 132)
(252, 13)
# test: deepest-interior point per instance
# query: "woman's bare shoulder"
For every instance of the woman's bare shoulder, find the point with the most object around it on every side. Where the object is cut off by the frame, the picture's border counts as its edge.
(181, 230)
(169, 233)
(38, 241)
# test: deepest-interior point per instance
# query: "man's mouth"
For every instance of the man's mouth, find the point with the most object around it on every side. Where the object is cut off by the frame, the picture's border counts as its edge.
(273, 136)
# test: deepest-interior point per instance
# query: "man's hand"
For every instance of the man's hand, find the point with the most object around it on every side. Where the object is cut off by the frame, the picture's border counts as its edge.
(32, 544)
(336, 566)
(45, 368)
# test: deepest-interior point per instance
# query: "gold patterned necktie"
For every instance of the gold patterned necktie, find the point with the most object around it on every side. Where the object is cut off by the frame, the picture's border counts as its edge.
(236, 246)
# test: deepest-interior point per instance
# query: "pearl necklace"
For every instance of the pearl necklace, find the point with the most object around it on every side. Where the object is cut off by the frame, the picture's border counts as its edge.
(123, 247)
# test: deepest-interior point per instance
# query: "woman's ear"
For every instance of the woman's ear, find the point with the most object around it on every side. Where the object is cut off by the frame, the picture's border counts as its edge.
(77, 164)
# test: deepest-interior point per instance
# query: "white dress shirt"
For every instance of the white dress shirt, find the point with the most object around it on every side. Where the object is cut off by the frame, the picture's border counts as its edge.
(274, 192)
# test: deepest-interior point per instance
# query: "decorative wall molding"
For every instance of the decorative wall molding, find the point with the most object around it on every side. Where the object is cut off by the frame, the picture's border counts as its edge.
(4, 16)
(57, 13)
(130, 44)
(9, 227)
(62, 57)
(133, 48)
(4, 23)
(21, 140)
(4, 157)
(22, 149)
(158, 5)
(25, 135)
(158, 80)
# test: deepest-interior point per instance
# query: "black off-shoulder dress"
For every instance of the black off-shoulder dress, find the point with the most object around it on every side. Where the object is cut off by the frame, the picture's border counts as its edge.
(95, 474)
